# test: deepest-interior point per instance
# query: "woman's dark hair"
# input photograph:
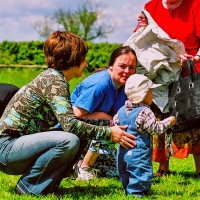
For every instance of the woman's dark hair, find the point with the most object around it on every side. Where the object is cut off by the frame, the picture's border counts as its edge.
(64, 49)
(115, 54)
(120, 51)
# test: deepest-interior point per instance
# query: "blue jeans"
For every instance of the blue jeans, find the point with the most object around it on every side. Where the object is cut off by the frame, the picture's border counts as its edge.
(135, 169)
(41, 158)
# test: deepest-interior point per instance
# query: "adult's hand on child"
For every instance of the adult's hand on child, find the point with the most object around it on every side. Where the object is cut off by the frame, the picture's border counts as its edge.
(123, 138)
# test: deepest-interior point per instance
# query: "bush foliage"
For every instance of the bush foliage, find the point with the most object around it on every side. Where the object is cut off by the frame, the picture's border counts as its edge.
(31, 53)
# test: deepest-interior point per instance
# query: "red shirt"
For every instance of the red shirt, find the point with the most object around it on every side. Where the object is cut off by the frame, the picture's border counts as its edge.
(182, 23)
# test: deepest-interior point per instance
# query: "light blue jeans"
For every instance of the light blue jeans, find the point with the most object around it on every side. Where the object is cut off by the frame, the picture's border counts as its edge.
(42, 159)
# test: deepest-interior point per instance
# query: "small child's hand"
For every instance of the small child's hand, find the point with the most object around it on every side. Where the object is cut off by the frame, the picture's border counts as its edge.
(172, 120)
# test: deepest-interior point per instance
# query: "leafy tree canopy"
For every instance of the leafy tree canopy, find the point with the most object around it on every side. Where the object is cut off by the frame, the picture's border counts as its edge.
(87, 21)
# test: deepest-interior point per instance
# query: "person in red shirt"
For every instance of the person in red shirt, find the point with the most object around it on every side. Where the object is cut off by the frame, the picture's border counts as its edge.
(180, 19)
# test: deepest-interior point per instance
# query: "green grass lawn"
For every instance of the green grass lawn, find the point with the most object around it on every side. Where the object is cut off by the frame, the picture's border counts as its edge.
(22, 76)
(179, 185)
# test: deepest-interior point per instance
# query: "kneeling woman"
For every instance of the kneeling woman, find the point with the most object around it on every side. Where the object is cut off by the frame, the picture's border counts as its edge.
(27, 146)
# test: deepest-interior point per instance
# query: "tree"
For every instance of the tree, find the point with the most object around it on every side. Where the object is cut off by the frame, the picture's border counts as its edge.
(44, 27)
(87, 21)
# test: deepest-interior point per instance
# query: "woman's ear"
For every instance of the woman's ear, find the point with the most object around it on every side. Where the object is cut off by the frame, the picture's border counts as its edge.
(111, 68)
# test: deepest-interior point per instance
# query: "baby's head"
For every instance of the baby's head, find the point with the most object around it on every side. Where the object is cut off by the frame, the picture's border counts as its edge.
(138, 89)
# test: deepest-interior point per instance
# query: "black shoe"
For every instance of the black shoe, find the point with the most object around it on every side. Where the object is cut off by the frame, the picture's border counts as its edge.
(197, 175)
(161, 173)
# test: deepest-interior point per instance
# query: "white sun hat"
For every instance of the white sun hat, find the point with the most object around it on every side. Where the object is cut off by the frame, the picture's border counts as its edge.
(137, 86)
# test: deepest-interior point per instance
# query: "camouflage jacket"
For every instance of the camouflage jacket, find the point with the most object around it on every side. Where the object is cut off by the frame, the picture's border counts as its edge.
(43, 103)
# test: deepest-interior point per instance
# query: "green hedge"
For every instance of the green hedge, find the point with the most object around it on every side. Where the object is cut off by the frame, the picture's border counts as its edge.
(31, 53)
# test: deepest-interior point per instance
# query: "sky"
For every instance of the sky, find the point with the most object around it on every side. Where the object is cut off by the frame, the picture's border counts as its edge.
(17, 17)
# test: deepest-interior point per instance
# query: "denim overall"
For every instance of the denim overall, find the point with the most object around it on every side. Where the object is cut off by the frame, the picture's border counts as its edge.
(135, 165)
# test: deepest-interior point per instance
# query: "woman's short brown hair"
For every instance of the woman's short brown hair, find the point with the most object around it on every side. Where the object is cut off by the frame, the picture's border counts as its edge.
(64, 49)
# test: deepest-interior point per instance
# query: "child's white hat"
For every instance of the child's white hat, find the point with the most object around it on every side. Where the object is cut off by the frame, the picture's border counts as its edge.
(137, 86)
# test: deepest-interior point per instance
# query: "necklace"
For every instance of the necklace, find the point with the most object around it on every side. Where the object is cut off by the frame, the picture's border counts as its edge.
(171, 7)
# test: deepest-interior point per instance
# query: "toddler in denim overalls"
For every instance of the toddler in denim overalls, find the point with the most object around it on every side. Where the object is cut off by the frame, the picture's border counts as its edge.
(135, 165)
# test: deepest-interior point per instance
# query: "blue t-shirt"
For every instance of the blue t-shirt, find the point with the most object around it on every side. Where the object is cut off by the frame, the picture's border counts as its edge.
(98, 93)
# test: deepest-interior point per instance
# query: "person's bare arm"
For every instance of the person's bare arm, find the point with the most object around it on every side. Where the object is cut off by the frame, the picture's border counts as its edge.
(80, 112)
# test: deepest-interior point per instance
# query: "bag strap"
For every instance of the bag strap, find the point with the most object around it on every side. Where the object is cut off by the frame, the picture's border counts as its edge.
(191, 68)
(192, 65)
